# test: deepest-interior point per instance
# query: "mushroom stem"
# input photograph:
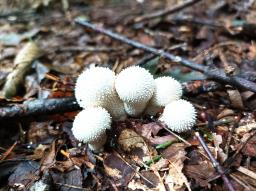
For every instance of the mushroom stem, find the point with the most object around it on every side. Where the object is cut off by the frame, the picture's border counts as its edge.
(115, 107)
(97, 145)
(152, 109)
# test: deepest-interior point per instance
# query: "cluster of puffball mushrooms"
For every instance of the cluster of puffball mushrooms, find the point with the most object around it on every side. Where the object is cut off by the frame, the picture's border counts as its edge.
(105, 96)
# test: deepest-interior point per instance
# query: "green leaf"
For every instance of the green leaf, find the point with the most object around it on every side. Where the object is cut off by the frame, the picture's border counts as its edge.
(181, 77)
(151, 65)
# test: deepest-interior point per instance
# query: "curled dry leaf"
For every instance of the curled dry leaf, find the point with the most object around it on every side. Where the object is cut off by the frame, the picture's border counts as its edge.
(22, 62)
(217, 140)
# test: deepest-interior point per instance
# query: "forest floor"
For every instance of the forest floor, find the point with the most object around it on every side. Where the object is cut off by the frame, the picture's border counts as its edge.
(37, 148)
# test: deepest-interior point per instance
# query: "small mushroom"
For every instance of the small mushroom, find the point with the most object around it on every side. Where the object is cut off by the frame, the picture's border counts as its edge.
(90, 126)
(179, 115)
(96, 87)
(167, 90)
(135, 86)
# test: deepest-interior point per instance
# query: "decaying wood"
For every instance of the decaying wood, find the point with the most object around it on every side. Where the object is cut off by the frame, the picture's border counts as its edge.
(212, 73)
(39, 107)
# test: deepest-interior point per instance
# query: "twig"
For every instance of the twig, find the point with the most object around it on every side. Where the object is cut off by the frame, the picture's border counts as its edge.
(165, 12)
(71, 186)
(6, 153)
(83, 49)
(174, 134)
(215, 163)
(38, 107)
(134, 169)
(213, 73)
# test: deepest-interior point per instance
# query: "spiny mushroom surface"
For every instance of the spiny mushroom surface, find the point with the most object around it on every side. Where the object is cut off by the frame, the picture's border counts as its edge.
(167, 90)
(96, 87)
(135, 86)
(90, 126)
(179, 115)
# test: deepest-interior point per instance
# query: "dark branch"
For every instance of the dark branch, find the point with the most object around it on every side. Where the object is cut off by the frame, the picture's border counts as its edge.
(215, 163)
(215, 73)
(61, 105)
(39, 107)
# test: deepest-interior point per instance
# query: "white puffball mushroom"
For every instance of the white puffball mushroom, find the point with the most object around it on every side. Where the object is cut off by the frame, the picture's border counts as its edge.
(167, 90)
(135, 86)
(90, 126)
(179, 115)
(96, 87)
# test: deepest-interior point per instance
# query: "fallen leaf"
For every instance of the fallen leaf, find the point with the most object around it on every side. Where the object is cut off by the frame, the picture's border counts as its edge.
(119, 170)
(150, 130)
(236, 99)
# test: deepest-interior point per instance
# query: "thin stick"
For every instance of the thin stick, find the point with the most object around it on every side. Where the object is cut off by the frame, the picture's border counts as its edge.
(174, 134)
(165, 12)
(215, 163)
(213, 73)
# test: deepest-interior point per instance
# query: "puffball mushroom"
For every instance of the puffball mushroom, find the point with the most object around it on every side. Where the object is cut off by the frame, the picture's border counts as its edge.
(167, 90)
(96, 87)
(135, 86)
(90, 126)
(179, 115)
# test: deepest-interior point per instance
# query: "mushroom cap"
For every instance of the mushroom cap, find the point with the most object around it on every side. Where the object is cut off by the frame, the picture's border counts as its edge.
(167, 90)
(135, 84)
(179, 115)
(91, 123)
(94, 86)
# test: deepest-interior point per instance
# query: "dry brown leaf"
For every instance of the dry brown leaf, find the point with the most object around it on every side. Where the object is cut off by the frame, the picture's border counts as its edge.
(129, 139)
(118, 169)
(150, 130)
(200, 172)
(236, 99)
(176, 155)
(49, 158)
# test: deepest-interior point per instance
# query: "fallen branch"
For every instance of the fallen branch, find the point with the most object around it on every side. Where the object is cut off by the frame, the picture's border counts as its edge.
(39, 107)
(213, 73)
(165, 12)
(215, 163)
(51, 106)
